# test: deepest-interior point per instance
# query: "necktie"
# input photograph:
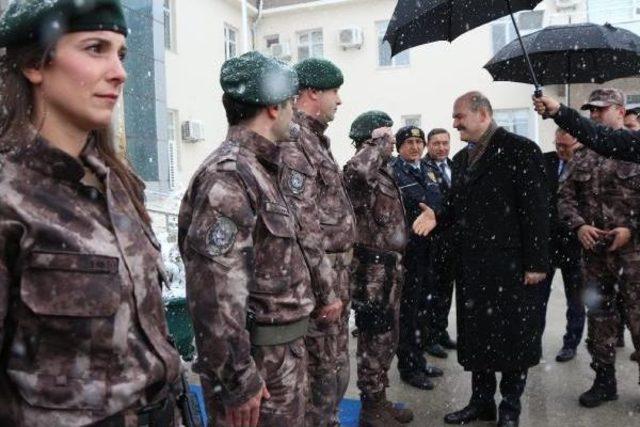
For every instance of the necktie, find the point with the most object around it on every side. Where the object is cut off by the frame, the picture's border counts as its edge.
(560, 167)
(443, 168)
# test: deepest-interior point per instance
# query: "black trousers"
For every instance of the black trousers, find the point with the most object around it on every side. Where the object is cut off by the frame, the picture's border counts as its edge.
(512, 384)
(418, 274)
(438, 304)
(576, 314)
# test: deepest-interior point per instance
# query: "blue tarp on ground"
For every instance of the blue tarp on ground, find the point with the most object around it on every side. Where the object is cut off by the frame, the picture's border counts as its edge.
(349, 409)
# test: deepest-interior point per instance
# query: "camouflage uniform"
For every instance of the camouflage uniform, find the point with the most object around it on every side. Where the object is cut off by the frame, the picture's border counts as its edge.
(83, 335)
(382, 237)
(328, 344)
(243, 265)
(605, 194)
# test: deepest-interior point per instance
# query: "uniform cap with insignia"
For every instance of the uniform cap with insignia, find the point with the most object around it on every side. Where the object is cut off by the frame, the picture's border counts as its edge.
(44, 21)
(407, 132)
(256, 79)
(366, 123)
(317, 73)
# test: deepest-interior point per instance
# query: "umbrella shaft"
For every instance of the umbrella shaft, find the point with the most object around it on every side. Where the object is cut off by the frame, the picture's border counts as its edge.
(524, 50)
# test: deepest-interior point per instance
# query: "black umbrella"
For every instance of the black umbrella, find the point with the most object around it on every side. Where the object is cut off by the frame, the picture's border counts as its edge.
(416, 22)
(577, 53)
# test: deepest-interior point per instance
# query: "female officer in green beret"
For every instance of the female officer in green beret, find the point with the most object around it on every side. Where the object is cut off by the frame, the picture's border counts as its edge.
(83, 338)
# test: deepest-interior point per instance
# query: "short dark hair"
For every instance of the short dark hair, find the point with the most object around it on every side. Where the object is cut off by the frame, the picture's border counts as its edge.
(436, 131)
(634, 111)
(238, 111)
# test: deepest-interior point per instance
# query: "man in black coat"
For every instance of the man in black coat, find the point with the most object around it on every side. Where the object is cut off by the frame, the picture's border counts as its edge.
(498, 208)
(564, 249)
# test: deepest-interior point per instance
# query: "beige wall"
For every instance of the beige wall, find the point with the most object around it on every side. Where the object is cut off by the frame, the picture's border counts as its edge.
(437, 73)
(193, 71)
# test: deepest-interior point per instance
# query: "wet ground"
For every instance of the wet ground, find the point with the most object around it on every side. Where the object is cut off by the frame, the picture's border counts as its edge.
(551, 397)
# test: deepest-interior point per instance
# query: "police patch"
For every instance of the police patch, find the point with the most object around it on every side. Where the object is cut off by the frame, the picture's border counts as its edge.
(221, 236)
(432, 176)
(296, 182)
(415, 132)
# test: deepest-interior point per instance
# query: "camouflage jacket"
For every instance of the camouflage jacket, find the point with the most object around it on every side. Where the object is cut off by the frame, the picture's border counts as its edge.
(299, 189)
(238, 242)
(599, 192)
(83, 334)
(337, 219)
(377, 200)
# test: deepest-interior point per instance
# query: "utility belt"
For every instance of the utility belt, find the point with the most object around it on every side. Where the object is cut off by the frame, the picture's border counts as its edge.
(374, 316)
(160, 414)
(265, 335)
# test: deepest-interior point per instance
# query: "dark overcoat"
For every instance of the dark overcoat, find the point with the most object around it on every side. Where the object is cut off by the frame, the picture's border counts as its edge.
(498, 211)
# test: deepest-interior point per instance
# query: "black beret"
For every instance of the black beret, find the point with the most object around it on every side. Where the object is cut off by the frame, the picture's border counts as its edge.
(43, 21)
(316, 73)
(366, 123)
(256, 79)
(407, 132)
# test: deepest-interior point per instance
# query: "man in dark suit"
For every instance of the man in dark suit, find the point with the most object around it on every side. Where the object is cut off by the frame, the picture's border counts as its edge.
(564, 250)
(418, 184)
(438, 148)
(498, 210)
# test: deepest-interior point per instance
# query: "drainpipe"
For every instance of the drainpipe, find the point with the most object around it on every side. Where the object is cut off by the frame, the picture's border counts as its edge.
(255, 23)
(245, 28)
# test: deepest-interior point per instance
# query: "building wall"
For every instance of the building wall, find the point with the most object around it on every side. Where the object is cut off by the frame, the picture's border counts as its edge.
(193, 71)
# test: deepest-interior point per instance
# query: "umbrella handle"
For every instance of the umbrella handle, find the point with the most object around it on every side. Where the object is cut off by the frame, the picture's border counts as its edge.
(538, 94)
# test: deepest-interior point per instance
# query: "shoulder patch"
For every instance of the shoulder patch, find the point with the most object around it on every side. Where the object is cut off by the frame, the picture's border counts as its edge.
(296, 181)
(221, 236)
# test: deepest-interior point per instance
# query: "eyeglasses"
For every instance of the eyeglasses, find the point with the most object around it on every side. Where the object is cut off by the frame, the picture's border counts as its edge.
(593, 108)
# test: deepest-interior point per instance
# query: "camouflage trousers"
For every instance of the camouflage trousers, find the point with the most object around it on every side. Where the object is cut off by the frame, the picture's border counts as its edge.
(376, 350)
(328, 349)
(605, 276)
(284, 370)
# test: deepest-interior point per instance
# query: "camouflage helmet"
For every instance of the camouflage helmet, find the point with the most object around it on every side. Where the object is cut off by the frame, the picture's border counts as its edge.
(366, 123)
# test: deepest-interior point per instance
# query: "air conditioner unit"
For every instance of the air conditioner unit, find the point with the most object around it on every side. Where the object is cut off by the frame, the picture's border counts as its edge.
(562, 4)
(192, 131)
(350, 38)
(281, 50)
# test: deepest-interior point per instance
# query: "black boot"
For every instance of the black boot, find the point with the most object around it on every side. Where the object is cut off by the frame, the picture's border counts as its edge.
(604, 387)
(472, 412)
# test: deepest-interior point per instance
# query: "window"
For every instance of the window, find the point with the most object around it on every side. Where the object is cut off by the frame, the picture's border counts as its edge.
(384, 49)
(503, 33)
(516, 121)
(633, 101)
(271, 40)
(310, 44)
(172, 144)
(169, 30)
(613, 11)
(230, 42)
(412, 120)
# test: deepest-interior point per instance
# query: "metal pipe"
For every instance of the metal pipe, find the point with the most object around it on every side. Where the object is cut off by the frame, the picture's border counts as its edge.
(245, 27)
(538, 91)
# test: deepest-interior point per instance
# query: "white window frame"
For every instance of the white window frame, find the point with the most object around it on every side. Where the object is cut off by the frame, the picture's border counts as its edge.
(173, 146)
(402, 59)
(505, 26)
(169, 16)
(315, 49)
(607, 12)
(230, 44)
(510, 125)
(412, 119)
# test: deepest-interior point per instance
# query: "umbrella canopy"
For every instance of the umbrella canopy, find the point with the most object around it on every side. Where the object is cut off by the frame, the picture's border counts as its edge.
(578, 53)
(417, 22)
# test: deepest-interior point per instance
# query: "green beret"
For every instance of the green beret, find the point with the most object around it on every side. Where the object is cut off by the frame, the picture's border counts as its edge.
(43, 21)
(316, 73)
(366, 123)
(256, 79)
